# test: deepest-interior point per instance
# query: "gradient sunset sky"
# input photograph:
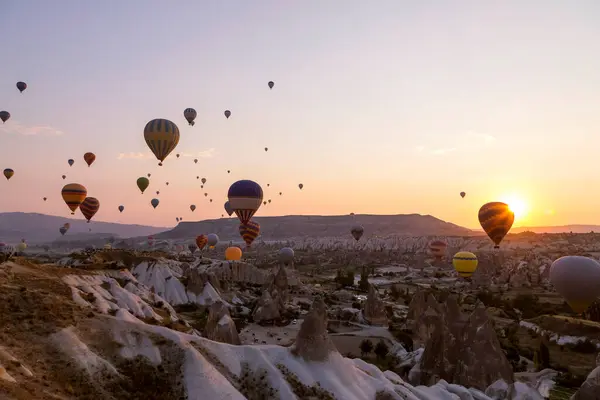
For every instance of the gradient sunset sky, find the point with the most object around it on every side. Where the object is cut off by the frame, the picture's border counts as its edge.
(380, 107)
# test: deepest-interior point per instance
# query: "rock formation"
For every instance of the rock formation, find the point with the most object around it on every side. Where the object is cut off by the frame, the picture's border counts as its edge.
(463, 350)
(219, 325)
(313, 342)
(590, 389)
(374, 310)
(280, 282)
(266, 309)
(423, 315)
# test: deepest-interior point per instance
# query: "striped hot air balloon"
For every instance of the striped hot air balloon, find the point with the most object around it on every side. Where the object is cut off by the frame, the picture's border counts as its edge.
(496, 219)
(438, 249)
(89, 207)
(249, 232)
(190, 115)
(465, 263)
(201, 241)
(162, 136)
(73, 194)
(89, 158)
(245, 198)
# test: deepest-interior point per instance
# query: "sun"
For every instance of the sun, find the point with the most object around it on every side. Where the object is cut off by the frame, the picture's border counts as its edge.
(517, 205)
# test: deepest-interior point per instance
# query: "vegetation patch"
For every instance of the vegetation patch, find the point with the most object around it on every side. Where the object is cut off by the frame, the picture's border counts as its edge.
(303, 391)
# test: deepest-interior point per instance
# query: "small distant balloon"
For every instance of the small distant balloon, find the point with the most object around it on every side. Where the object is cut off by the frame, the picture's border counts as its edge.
(357, 232)
(286, 255)
(177, 155)
(190, 115)
(300, 186)
(271, 84)
(228, 171)
(8, 173)
(89, 158)
(167, 183)
(121, 208)
(233, 254)
(269, 200)
(149, 175)
(158, 192)
(203, 180)
(213, 239)
(71, 162)
(266, 149)
(195, 161)
(21, 86)
(64, 176)
(280, 193)
(45, 198)
(154, 202)
(192, 207)
(463, 194)
(4, 116)
(227, 114)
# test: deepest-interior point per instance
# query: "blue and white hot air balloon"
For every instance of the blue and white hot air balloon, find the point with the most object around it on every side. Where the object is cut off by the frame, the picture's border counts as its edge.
(245, 198)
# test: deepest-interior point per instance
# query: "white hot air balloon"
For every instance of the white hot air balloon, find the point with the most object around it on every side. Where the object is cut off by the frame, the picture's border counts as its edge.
(213, 239)
(577, 279)
(286, 255)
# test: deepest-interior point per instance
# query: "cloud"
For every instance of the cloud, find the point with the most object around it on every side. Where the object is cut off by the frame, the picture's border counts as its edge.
(13, 126)
(466, 141)
(143, 156)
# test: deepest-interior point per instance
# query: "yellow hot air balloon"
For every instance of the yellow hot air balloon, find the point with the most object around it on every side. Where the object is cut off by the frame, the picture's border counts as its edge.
(233, 253)
(162, 136)
(73, 194)
(465, 263)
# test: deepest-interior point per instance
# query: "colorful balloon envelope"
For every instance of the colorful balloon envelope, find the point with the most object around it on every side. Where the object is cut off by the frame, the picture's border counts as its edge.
(162, 136)
(228, 208)
(438, 248)
(201, 241)
(4, 116)
(577, 280)
(8, 173)
(357, 232)
(89, 158)
(143, 183)
(73, 194)
(233, 254)
(21, 86)
(190, 115)
(465, 263)
(245, 198)
(249, 232)
(496, 219)
(89, 207)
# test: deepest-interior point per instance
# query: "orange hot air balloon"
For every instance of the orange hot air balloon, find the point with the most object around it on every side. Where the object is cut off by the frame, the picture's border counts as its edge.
(89, 207)
(438, 249)
(496, 219)
(233, 254)
(73, 194)
(89, 158)
(201, 241)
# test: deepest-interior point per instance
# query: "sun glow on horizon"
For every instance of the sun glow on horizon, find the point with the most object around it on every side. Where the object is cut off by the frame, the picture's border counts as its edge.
(517, 205)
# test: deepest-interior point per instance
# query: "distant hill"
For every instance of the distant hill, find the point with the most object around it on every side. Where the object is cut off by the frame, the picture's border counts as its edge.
(38, 228)
(321, 226)
(557, 229)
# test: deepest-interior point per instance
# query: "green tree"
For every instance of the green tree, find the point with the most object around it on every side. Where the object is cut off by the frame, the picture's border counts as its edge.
(366, 346)
(381, 350)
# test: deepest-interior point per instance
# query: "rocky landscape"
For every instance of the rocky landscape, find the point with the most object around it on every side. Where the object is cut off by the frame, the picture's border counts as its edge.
(377, 319)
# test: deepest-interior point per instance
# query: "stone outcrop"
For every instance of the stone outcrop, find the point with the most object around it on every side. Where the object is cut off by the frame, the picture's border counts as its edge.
(266, 309)
(423, 315)
(374, 309)
(590, 389)
(463, 350)
(279, 283)
(219, 325)
(239, 272)
(313, 342)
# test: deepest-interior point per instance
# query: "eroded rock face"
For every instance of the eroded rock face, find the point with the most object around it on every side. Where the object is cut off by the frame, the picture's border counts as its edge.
(266, 309)
(590, 389)
(374, 310)
(219, 325)
(463, 350)
(313, 342)
(423, 315)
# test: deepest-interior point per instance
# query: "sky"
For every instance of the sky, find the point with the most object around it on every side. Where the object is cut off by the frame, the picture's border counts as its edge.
(385, 107)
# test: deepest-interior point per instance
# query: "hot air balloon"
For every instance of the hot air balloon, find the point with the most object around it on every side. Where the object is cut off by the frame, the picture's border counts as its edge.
(213, 239)
(233, 254)
(280, 193)
(271, 84)
(121, 208)
(357, 232)
(45, 198)
(73, 194)
(62, 230)
(195, 161)
(190, 115)
(268, 184)
(269, 201)
(228, 171)
(465, 263)
(89, 207)
(463, 194)
(142, 183)
(157, 192)
(154, 202)
(438, 248)
(245, 198)
(228, 208)
(21, 86)
(201, 241)
(67, 225)
(162, 136)
(64, 176)
(265, 203)
(149, 175)
(496, 219)
(577, 280)
(266, 149)
(249, 232)
(205, 194)
(71, 162)
(8, 173)
(203, 180)
(177, 219)
(300, 186)
(192, 247)
(227, 114)
(89, 158)
(192, 207)
(4, 116)
(21, 247)
(177, 155)
(167, 183)
(286, 255)
(211, 200)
